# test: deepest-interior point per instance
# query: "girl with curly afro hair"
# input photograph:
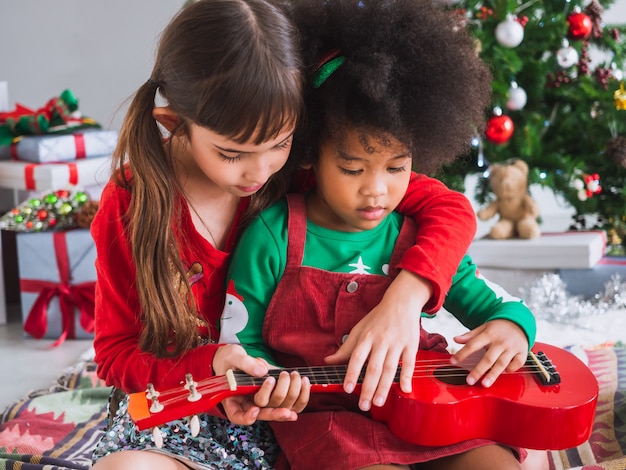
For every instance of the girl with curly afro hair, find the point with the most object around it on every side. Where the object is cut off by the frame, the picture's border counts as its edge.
(392, 86)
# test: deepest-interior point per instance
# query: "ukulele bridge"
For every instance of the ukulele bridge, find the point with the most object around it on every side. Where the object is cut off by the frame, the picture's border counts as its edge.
(543, 368)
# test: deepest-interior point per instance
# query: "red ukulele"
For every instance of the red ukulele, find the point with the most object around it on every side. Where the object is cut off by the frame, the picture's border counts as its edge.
(549, 403)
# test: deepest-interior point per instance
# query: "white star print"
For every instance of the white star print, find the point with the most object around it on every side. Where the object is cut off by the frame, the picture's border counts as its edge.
(360, 268)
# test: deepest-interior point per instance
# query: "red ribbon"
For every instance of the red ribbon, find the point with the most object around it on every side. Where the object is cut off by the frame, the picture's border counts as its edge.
(71, 296)
(29, 174)
(20, 110)
(79, 141)
(13, 148)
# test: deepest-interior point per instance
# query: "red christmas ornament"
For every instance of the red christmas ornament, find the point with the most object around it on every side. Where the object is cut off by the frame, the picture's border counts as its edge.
(592, 183)
(499, 129)
(42, 214)
(579, 26)
(62, 193)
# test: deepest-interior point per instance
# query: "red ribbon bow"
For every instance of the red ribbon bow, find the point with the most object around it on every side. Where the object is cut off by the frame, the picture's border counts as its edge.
(71, 296)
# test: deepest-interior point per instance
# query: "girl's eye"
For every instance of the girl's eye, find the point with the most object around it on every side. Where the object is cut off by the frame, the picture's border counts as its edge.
(399, 169)
(228, 159)
(283, 145)
(350, 172)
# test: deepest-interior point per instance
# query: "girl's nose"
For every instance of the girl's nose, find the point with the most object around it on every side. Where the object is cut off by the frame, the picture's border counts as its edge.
(374, 186)
(259, 169)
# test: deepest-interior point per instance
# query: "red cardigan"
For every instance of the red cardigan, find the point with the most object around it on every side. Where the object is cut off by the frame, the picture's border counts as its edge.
(446, 227)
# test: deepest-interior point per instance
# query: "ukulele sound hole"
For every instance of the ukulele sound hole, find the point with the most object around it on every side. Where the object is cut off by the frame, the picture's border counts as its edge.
(451, 375)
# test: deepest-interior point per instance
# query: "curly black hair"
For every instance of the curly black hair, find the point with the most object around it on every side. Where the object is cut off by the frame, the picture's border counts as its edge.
(411, 70)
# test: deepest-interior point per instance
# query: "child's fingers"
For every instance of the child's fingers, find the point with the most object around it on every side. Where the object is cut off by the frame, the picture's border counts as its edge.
(490, 376)
(233, 356)
(518, 361)
(477, 361)
(343, 354)
(469, 335)
(355, 365)
(255, 366)
(379, 376)
(240, 411)
(263, 395)
(390, 367)
(277, 414)
(277, 393)
(407, 370)
(303, 397)
(287, 390)
(374, 372)
(469, 355)
(507, 361)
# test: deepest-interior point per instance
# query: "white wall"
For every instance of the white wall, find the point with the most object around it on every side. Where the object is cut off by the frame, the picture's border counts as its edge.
(616, 14)
(100, 49)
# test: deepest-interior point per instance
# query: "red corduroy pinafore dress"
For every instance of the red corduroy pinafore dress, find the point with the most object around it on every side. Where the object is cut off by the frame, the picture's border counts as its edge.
(310, 313)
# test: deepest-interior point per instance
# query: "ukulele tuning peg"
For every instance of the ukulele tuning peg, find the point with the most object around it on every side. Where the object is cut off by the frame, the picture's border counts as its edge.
(194, 425)
(153, 396)
(192, 386)
(157, 437)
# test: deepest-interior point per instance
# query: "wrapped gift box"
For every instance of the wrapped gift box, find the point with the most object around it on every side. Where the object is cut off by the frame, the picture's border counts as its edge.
(590, 282)
(57, 283)
(574, 249)
(54, 148)
(45, 176)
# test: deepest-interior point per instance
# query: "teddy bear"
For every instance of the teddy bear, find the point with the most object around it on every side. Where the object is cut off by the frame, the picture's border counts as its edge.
(517, 209)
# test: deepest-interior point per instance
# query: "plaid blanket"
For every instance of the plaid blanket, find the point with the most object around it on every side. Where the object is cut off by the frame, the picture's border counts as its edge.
(57, 428)
(606, 448)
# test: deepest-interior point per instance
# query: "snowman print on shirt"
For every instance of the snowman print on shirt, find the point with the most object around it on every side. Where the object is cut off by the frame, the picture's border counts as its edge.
(234, 317)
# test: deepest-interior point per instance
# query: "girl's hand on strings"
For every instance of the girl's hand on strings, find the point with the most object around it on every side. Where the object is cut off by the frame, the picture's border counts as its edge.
(386, 335)
(291, 391)
(280, 400)
(491, 349)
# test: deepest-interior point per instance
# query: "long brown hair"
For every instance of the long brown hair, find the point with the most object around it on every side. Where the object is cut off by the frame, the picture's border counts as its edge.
(231, 66)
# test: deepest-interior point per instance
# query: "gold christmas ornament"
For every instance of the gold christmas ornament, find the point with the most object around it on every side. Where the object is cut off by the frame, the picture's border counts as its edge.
(613, 238)
(620, 97)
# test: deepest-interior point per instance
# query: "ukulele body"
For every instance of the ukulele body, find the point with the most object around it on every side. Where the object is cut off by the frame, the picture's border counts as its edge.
(516, 410)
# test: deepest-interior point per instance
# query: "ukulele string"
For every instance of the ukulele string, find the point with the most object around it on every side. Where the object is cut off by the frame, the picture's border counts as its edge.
(336, 374)
(323, 374)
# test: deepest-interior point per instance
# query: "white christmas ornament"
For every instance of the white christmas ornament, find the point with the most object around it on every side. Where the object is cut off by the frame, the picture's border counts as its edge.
(581, 189)
(510, 33)
(566, 56)
(517, 97)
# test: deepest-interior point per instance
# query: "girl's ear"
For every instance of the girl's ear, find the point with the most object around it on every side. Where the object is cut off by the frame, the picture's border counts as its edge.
(166, 117)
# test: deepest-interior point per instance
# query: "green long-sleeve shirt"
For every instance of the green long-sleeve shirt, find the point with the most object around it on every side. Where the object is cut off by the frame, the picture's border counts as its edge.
(259, 261)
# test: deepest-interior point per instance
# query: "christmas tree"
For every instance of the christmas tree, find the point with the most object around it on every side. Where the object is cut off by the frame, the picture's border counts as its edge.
(558, 103)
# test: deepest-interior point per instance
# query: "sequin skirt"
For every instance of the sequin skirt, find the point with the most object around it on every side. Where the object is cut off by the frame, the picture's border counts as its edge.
(220, 444)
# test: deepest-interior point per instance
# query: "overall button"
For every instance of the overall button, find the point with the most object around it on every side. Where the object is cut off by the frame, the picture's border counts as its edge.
(352, 286)
(344, 338)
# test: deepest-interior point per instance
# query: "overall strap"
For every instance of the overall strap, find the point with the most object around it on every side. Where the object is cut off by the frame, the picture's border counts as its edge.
(296, 229)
